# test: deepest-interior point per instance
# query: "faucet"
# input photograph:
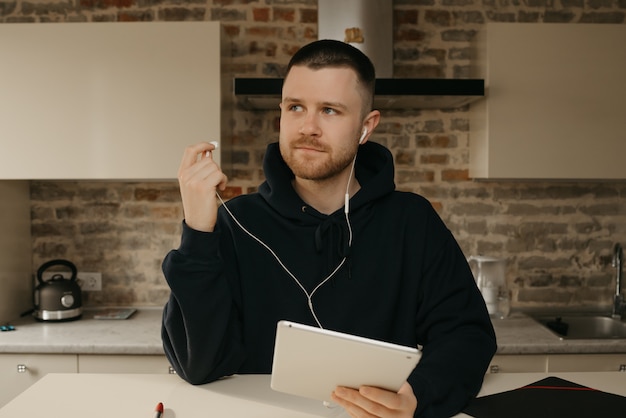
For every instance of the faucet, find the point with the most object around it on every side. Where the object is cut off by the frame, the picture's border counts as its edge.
(619, 305)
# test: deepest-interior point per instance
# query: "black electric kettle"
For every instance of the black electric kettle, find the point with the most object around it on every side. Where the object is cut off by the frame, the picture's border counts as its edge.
(58, 298)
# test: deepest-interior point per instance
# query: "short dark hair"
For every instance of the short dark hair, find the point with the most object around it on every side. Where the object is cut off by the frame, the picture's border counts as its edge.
(331, 53)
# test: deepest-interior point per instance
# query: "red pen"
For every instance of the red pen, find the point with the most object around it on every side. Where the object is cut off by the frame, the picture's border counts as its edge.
(159, 410)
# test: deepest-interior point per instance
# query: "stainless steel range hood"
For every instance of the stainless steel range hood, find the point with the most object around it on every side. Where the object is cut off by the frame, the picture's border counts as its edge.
(368, 25)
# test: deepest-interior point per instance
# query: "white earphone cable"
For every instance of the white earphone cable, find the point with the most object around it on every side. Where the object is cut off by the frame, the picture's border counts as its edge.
(309, 296)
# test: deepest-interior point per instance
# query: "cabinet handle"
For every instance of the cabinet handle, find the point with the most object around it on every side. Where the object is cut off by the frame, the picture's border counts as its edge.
(171, 370)
(622, 367)
(494, 369)
(21, 368)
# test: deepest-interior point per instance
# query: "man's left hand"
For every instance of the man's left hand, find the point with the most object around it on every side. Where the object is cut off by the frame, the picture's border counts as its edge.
(374, 402)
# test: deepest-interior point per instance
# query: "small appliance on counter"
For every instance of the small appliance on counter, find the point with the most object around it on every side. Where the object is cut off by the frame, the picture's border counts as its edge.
(58, 298)
(489, 273)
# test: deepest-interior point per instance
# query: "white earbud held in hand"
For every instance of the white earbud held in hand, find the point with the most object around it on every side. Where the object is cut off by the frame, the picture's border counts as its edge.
(215, 144)
(363, 135)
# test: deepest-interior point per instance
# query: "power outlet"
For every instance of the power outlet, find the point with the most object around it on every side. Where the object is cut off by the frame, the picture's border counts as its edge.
(88, 281)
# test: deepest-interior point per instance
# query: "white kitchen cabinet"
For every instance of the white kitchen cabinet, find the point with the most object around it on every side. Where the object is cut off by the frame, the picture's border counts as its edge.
(98, 363)
(555, 105)
(518, 363)
(20, 371)
(586, 362)
(107, 100)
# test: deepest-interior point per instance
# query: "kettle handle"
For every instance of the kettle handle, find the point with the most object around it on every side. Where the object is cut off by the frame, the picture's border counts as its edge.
(51, 263)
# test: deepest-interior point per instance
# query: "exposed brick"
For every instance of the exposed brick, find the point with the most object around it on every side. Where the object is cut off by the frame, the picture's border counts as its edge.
(459, 53)
(434, 159)
(458, 124)
(405, 157)
(415, 176)
(102, 4)
(284, 14)
(600, 17)
(412, 35)
(228, 15)
(165, 212)
(438, 17)
(168, 193)
(231, 30)
(406, 54)
(457, 2)
(7, 7)
(439, 141)
(135, 16)
(528, 17)
(473, 16)
(473, 208)
(419, 71)
(438, 206)
(231, 192)
(261, 14)
(594, 4)
(404, 17)
(458, 35)
(308, 15)
(181, 14)
(558, 16)
(501, 16)
(455, 175)
(437, 53)
(262, 31)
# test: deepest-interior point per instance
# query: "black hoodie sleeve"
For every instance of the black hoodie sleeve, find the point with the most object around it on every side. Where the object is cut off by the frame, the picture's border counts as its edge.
(454, 328)
(200, 312)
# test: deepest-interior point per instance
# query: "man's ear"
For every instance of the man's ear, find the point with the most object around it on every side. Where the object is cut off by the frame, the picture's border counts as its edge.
(370, 123)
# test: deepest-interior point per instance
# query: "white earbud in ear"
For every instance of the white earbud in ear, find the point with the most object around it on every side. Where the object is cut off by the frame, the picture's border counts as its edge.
(363, 135)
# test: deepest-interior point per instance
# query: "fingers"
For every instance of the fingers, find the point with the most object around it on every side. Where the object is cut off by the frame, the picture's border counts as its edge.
(194, 152)
(199, 177)
(355, 405)
(375, 402)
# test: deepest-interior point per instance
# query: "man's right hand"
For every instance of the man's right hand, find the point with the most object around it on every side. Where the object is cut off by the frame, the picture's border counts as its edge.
(199, 178)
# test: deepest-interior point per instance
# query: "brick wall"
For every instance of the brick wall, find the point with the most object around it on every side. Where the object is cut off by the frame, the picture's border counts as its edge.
(556, 236)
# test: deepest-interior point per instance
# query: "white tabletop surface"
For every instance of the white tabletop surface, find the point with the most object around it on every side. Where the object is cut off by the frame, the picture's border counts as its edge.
(136, 395)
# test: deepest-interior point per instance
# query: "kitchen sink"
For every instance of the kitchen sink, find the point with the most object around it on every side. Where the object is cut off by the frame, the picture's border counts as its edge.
(573, 327)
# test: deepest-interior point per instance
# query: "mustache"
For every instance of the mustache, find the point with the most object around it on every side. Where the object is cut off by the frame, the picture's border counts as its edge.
(308, 142)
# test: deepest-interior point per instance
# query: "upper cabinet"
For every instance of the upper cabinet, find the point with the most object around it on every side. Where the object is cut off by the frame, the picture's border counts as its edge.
(555, 104)
(106, 100)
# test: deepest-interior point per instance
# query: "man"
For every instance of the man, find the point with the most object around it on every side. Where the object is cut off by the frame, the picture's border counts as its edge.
(327, 242)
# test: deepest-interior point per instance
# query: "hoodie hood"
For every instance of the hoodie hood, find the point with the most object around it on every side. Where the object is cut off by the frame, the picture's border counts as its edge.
(374, 171)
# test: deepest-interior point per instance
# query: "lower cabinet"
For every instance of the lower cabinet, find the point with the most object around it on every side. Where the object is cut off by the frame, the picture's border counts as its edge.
(522, 363)
(19, 371)
(587, 363)
(96, 363)
(531, 363)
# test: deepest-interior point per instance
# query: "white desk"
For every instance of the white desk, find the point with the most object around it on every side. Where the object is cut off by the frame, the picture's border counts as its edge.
(136, 395)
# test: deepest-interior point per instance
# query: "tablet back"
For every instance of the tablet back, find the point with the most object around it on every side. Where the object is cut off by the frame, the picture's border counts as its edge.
(312, 362)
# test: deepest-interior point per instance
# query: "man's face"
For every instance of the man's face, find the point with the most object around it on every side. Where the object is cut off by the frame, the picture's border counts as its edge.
(321, 121)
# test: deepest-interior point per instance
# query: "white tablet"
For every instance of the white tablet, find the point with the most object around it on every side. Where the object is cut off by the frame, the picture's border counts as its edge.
(312, 362)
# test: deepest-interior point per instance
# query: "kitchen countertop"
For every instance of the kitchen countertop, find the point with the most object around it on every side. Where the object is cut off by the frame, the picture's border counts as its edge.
(141, 334)
(520, 334)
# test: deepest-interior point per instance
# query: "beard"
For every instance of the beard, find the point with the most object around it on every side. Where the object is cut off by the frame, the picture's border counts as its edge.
(319, 167)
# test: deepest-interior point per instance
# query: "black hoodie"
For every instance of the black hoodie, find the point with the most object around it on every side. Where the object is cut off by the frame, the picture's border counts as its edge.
(405, 280)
